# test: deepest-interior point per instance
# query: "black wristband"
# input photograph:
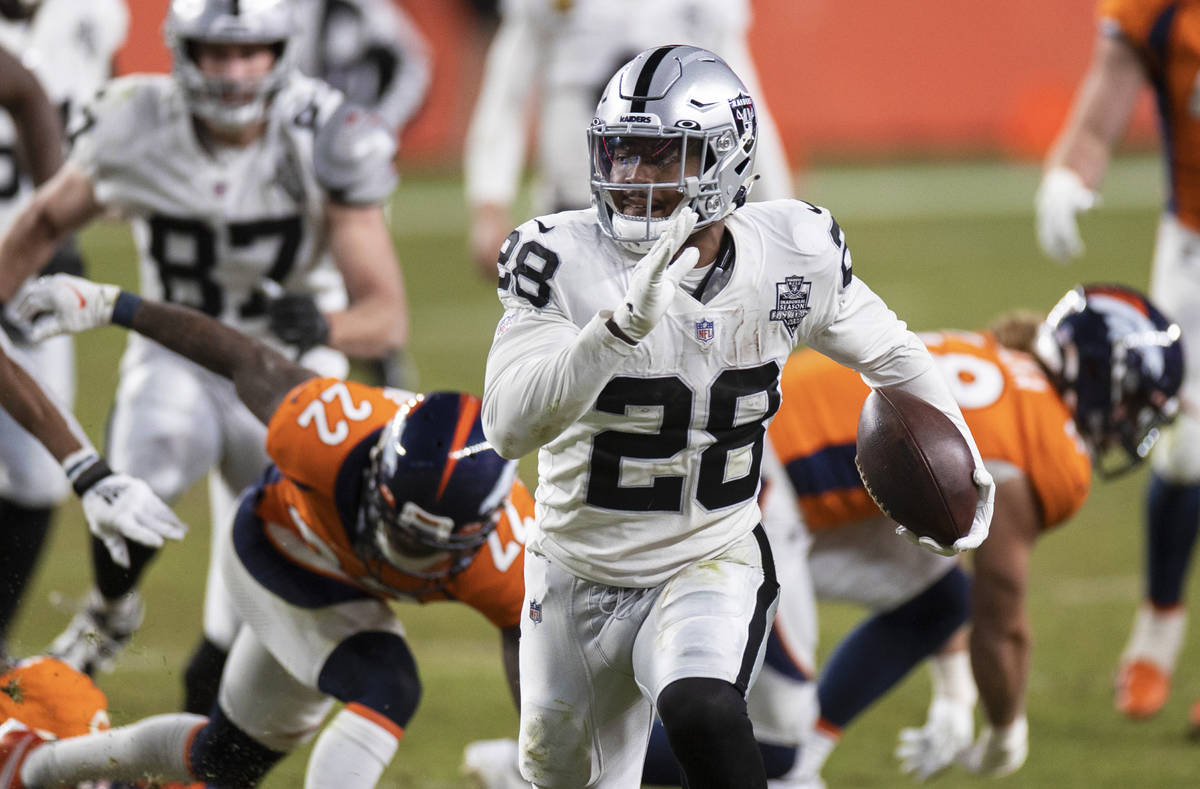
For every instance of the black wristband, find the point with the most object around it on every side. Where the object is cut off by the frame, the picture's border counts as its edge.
(87, 478)
(615, 331)
(126, 305)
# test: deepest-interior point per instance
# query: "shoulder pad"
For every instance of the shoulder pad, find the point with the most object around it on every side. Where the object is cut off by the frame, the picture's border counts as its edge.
(352, 156)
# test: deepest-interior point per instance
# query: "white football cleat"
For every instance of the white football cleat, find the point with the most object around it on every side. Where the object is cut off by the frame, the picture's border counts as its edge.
(493, 764)
(98, 632)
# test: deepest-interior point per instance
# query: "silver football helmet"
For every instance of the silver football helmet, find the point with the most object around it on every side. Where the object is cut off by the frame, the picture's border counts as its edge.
(674, 120)
(226, 103)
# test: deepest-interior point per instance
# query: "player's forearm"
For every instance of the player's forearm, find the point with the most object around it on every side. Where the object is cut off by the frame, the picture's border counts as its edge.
(261, 375)
(28, 245)
(27, 403)
(371, 328)
(537, 384)
(1100, 113)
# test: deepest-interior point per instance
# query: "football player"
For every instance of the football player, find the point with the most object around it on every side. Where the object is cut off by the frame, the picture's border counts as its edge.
(1140, 43)
(69, 47)
(1092, 384)
(254, 194)
(560, 54)
(373, 495)
(373, 52)
(640, 350)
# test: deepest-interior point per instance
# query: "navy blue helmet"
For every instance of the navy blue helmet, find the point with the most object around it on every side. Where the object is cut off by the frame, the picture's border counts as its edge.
(434, 486)
(1118, 362)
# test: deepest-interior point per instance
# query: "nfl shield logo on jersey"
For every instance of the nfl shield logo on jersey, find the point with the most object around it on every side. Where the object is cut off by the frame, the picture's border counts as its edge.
(791, 302)
(705, 331)
(535, 612)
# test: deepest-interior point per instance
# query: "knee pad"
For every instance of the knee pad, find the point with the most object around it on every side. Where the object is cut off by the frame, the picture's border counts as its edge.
(700, 707)
(224, 755)
(1176, 459)
(202, 677)
(377, 670)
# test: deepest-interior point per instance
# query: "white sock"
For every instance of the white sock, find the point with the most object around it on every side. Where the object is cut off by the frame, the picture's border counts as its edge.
(351, 753)
(153, 748)
(951, 677)
(1156, 636)
(814, 752)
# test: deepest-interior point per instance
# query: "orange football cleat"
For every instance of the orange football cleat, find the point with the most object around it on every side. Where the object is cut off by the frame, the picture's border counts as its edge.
(1142, 688)
(16, 743)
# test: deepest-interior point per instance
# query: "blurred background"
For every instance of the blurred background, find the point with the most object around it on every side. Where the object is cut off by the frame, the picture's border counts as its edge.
(921, 125)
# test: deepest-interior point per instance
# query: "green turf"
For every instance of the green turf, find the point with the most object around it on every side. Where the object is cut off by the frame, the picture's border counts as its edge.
(947, 246)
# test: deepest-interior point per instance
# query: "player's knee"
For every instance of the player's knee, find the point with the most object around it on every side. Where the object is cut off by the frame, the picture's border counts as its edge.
(937, 612)
(202, 677)
(1176, 459)
(224, 755)
(700, 711)
(375, 669)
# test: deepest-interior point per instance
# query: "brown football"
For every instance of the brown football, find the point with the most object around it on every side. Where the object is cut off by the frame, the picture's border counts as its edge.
(916, 465)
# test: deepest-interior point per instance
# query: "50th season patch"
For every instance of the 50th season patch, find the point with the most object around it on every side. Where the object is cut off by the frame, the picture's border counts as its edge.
(791, 302)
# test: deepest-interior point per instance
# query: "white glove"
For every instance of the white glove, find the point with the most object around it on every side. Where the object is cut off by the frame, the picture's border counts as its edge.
(1000, 751)
(656, 278)
(62, 304)
(1060, 197)
(924, 752)
(120, 507)
(979, 526)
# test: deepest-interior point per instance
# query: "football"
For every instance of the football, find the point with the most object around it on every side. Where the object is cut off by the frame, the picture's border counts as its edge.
(916, 465)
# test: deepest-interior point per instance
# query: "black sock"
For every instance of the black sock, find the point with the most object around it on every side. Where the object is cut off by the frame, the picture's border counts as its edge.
(113, 580)
(203, 677)
(23, 532)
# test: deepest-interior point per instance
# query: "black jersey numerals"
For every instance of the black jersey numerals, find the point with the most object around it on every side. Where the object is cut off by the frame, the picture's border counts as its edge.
(717, 484)
(526, 273)
(185, 253)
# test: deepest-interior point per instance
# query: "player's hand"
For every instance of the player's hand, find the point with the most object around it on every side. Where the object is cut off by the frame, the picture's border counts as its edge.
(120, 507)
(296, 319)
(999, 751)
(1061, 195)
(657, 278)
(979, 526)
(983, 511)
(924, 752)
(63, 304)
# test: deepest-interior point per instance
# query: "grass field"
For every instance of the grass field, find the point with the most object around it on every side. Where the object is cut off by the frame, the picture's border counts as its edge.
(947, 246)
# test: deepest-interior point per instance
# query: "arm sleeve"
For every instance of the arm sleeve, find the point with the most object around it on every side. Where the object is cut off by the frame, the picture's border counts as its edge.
(542, 375)
(496, 139)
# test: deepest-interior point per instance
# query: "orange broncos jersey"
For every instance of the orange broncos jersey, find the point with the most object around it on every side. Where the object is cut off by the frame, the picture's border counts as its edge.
(50, 696)
(320, 439)
(1166, 36)
(1011, 408)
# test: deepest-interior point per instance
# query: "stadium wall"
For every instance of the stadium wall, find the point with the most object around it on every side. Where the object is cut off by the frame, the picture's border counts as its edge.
(845, 78)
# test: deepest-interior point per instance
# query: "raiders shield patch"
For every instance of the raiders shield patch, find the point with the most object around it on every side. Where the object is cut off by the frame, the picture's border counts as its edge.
(791, 302)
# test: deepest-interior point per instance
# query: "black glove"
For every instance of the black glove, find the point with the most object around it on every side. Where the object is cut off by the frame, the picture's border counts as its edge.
(296, 320)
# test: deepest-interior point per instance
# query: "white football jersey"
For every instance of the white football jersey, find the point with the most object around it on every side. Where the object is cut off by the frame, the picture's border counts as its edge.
(211, 223)
(662, 467)
(70, 46)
